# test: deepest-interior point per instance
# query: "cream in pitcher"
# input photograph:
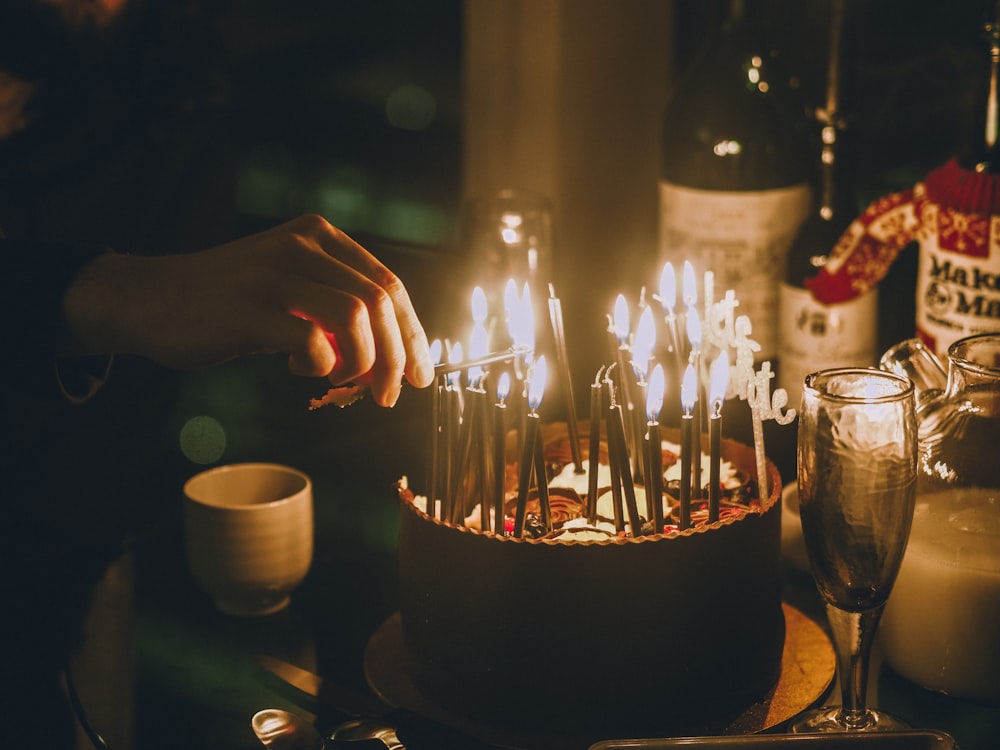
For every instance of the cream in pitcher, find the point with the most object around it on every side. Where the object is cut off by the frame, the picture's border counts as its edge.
(941, 625)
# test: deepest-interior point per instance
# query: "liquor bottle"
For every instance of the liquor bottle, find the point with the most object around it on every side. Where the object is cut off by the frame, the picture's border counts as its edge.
(734, 183)
(812, 335)
(958, 270)
(954, 215)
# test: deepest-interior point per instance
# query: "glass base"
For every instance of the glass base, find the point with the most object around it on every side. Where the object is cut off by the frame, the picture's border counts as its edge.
(835, 719)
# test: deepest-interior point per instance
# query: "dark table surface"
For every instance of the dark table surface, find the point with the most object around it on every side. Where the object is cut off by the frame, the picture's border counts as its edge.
(194, 681)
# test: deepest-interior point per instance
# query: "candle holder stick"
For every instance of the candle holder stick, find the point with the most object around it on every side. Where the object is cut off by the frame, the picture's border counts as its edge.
(594, 447)
(542, 487)
(463, 481)
(435, 447)
(562, 359)
(500, 453)
(617, 434)
(527, 457)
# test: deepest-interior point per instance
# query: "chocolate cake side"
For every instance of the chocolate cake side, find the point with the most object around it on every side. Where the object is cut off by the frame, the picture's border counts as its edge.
(637, 635)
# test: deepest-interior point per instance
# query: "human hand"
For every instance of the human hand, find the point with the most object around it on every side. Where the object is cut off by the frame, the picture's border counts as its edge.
(303, 288)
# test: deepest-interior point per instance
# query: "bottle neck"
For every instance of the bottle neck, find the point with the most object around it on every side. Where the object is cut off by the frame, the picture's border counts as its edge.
(984, 154)
(836, 192)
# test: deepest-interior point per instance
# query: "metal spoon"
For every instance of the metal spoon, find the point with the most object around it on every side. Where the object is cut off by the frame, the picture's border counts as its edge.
(283, 730)
(368, 729)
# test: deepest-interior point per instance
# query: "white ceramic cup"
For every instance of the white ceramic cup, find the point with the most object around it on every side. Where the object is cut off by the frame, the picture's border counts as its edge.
(248, 531)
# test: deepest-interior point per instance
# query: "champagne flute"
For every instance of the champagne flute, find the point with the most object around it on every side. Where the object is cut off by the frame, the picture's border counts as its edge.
(857, 452)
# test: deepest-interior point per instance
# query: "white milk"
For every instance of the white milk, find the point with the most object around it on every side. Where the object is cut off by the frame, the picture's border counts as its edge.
(941, 627)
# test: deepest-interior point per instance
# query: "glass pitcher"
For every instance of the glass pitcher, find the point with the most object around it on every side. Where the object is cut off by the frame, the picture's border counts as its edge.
(941, 627)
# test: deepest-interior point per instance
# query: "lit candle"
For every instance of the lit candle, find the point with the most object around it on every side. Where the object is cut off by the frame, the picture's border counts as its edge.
(512, 311)
(719, 383)
(689, 293)
(645, 342)
(694, 358)
(522, 325)
(688, 389)
(618, 323)
(594, 446)
(654, 451)
(709, 294)
(435, 350)
(615, 458)
(500, 452)
(470, 445)
(668, 288)
(559, 336)
(536, 387)
(542, 485)
(668, 299)
(690, 287)
(642, 357)
(616, 434)
(626, 376)
(451, 420)
(479, 343)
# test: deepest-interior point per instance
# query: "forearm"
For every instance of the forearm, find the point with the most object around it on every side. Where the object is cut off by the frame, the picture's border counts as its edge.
(35, 280)
(99, 314)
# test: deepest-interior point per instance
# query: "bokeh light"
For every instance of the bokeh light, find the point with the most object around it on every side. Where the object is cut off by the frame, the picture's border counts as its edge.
(203, 440)
(410, 108)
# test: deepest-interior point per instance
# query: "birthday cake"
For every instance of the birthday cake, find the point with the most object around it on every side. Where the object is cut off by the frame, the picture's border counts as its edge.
(586, 628)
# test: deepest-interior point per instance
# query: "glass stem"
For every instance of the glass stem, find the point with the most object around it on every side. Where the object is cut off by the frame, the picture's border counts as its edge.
(853, 636)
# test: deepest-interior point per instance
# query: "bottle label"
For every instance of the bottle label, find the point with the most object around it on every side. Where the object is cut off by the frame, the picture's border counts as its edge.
(815, 336)
(958, 278)
(743, 238)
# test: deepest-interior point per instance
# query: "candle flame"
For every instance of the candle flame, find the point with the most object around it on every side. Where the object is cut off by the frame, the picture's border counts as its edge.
(668, 287)
(526, 322)
(478, 347)
(455, 355)
(689, 390)
(645, 340)
(690, 285)
(435, 350)
(537, 385)
(654, 394)
(520, 317)
(510, 227)
(719, 377)
(621, 319)
(511, 305)
(510, 297)
(478, 305)
(503, 387)
(694, 329)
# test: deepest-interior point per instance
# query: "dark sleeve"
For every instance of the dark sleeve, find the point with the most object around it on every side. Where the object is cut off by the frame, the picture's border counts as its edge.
(33, 284)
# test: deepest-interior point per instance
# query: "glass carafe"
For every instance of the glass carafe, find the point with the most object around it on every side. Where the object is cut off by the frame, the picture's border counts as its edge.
(941, 627)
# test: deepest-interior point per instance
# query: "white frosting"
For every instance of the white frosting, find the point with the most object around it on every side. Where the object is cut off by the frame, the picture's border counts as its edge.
(570, 480)
(581, 523)
(727, 472)
(606, 507)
